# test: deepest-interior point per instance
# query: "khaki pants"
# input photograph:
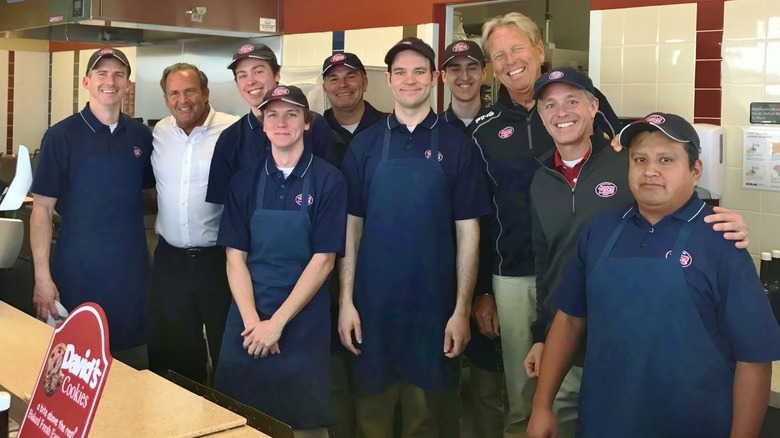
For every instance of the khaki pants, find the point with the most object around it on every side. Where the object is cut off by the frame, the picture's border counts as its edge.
(375, 414)
(342, 398)
(516, 302)
(311, 433)
(488, 393)
(565, 404)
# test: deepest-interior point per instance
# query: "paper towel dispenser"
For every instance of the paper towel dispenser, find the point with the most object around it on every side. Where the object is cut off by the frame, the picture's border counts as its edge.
(713, 178)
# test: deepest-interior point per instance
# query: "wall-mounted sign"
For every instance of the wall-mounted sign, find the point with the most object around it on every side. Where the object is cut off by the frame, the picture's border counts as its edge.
(72, 377)
(765, 113)
(267, 25)
(761, 158)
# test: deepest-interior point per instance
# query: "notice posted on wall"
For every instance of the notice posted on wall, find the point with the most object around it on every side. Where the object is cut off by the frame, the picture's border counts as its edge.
(761, 158)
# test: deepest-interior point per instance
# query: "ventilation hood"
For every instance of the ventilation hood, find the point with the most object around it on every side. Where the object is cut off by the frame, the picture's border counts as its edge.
(138, 22)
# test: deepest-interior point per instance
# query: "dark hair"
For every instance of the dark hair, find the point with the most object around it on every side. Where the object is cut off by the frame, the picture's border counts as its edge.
(183, 66)
(275, 67)
(693, 153)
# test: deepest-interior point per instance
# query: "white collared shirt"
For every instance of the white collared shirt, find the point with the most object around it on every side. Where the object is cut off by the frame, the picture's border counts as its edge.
(181, 167)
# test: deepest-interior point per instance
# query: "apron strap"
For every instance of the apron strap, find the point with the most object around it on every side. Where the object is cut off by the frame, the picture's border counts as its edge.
(261, 185)
(386, 144)
(306, 186)
(435, 143)
(611, 242)
(682, 239)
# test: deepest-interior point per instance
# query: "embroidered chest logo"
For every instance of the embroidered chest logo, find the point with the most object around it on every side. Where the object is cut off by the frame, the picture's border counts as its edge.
(506, 132)
(428, 155)
(606, 189)
(299, 198)
(137, 151)
(685, 258)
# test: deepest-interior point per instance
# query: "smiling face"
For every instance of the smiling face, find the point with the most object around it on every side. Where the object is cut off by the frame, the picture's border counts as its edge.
(463, 76)
(660, 174)
(517, 63)
(107, 83)
(185, 99)
(284, 124)
(411, 80)
(254, 77)
(344, 87)
(567, 114)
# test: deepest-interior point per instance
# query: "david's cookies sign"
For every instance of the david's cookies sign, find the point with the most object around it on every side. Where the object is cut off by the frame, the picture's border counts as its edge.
(72, 377)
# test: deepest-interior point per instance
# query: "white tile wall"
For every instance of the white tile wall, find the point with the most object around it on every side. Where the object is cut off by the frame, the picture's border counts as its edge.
(61, 85)
(31, 98)
(372, 44)
(751, 73)
(305, 50)
(647, 58)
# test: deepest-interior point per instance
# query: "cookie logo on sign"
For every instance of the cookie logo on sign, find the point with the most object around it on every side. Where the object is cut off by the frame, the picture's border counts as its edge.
(655, 119)
(280, 91)
(299, 198)
(246, 48)
(460, 47)
(137, 151)
(606, 189)
(337, 58)
(428, 155)
(506, 132)
(685, 258)
(555, 75)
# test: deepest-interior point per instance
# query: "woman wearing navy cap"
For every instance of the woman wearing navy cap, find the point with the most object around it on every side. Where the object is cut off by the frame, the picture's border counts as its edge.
(283, 225)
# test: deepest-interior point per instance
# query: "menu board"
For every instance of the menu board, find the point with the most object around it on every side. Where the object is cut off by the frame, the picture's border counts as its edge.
(72, 377)
(761, 158)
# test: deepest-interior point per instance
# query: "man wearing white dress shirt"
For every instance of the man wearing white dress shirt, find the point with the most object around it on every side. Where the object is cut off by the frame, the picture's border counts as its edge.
(189, 286)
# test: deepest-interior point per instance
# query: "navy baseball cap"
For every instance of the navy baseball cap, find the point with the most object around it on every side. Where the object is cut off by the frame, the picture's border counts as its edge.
(347, 59)
(290, 94)
(466, 48)
(674, 126)
(107, 52)
(411, 43)
(566, 75)
(257, 51)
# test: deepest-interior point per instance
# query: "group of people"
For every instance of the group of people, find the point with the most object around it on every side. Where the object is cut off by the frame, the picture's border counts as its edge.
(341, 264)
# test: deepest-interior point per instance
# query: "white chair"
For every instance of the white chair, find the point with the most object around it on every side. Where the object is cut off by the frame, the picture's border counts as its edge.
(11, 236)
(17, 191)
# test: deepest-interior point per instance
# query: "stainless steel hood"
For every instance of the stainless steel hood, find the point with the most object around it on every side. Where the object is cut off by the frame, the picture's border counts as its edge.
(138, 22)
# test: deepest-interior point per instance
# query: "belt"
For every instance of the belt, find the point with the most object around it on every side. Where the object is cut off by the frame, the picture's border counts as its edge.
(193, 251)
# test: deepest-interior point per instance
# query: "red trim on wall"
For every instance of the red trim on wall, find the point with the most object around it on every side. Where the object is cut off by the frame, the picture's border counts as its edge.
(64, 46)
(709, 15)
(709, 38)
(9, 131)
(597, 5)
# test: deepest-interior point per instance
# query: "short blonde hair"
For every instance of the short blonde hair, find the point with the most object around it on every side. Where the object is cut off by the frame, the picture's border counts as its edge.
(522, 22)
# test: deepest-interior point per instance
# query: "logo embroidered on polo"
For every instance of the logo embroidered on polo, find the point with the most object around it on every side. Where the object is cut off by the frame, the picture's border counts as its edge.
(246, 48)
(506, 132)
(299, 198)
(137, 151)
(685, 258)
(606, 189)
(428, 155)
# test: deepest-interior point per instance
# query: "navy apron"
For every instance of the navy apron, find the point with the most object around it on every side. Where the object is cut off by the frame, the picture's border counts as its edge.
(292, 386)
(405, 284)
(101, 253)
(651, 369)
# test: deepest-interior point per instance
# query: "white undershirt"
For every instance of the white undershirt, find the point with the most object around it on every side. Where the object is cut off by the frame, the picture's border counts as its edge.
(181, 166)
(113, 126)
(467, 122)
(351, 128)
(286, 170)
(571, 163)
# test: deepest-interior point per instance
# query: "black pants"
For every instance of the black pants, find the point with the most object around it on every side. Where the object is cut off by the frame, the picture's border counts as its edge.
(188, 289)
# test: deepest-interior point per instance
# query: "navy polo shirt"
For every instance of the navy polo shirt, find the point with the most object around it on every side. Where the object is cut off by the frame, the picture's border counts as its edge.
(244, 143)
(68, 143)
(458, 159)
(371, 115)
(327, 211)
(450, 117)
(722, 279)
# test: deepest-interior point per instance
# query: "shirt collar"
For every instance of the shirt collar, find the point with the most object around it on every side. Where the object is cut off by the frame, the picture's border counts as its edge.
(94, 124)
(687, 213)
(428, 122)
(254, 123)
(559, 161)
(303, 166)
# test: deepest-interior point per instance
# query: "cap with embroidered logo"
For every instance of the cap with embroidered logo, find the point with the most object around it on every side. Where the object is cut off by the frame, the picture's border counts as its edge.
(290, 94)
(346, 59)
(672, 125)
(107, 52)
(565, 75)
(411, 43)
(466, 48)
(252, 50)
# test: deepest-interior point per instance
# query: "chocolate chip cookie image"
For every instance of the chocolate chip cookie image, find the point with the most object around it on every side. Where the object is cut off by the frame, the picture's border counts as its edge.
(53, 377)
